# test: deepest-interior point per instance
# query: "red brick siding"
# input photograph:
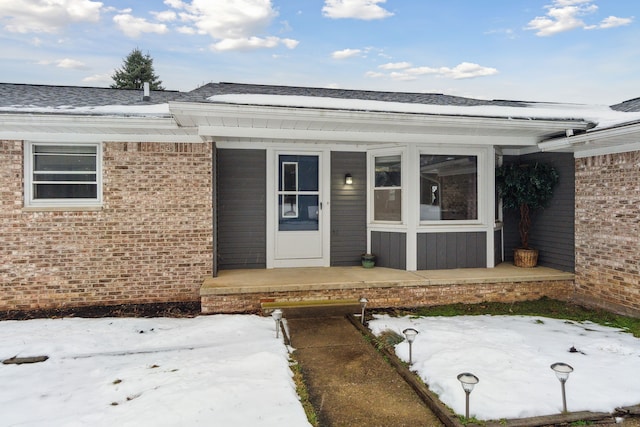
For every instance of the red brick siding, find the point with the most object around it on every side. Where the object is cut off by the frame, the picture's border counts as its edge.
(151, 242)
(607, 228)
(399, 296)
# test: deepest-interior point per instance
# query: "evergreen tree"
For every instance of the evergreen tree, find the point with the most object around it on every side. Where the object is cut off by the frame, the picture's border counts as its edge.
(136, 69)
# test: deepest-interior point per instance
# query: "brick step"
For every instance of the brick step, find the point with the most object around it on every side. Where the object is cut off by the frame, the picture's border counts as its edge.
(313, 308)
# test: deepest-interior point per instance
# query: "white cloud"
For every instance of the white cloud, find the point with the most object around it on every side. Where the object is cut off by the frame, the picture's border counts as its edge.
(165, 16)
(356, 9)
(186, 30)
(71, 63)
(374, 74)
(252, 43)
(223, 19)
(98, 78)
(565, 15)
(346, 53)
(402, 76)
(614, 21)
(133, 27)
(234, 25)
(404, 71)
(65, 63)
(45, 16)
(395, 65)
(467, 70)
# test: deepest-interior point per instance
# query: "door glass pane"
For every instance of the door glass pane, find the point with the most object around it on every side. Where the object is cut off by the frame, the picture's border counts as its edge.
(298, 213)
(289, 179)
(298, 196)
(308, 173)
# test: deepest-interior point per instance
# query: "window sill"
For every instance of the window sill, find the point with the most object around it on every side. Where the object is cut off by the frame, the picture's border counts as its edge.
(62, 208)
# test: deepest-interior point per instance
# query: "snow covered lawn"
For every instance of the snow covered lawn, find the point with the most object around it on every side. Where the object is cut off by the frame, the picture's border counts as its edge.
(210, 370)
(511, 355)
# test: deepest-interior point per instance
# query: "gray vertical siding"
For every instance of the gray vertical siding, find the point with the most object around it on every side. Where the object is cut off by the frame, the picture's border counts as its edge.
(439, 251)
(390, 249)
(348, 208)
(552, 228)
(497, 247)
(241, 209)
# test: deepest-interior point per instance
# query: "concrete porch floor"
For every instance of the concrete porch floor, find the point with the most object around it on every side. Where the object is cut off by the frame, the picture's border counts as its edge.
(265, 281)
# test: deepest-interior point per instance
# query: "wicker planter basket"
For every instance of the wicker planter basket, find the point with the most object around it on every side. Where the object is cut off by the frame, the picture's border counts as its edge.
(525, 257)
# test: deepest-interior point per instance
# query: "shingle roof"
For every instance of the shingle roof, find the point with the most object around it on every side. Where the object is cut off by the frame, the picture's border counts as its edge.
(26, 95)
(13, 95)
(211, 89)
(632, 105)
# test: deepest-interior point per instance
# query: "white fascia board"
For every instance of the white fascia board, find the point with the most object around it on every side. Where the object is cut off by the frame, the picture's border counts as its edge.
(579, 144)
(98, 137)
(221, 132)
(94, 129)
(191, 114)
(599, 151)
(80, 121)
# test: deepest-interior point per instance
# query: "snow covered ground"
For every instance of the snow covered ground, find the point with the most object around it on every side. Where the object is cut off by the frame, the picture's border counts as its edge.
(511, 355)
(231, 370)
(211, 370)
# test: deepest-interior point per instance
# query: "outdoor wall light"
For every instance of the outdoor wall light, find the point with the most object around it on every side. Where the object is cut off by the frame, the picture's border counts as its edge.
(410, 333)
(348, 179)
(468, 381)
(277, 316)
(562, 371)
(363, 305)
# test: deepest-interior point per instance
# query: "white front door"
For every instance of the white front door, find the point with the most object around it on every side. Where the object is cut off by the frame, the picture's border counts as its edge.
(298, 208)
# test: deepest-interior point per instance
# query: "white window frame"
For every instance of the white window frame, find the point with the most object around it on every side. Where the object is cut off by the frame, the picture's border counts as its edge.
(30, 202)
(373, 154)
(481, 171)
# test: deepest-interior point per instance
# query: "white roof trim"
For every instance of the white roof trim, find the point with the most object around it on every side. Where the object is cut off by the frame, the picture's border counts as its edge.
(41, 128)
(619, 139)
(232, 121)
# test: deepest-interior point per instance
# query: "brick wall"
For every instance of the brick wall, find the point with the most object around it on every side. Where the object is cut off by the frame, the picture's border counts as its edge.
(607, 228)
(400, 296)
(151, 242)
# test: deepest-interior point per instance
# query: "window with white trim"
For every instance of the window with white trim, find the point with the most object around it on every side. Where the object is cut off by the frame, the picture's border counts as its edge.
(448, 187)
(387, 190)
(62, 174)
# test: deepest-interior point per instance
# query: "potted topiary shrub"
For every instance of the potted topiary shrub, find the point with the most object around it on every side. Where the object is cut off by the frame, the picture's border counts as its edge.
(525, 187)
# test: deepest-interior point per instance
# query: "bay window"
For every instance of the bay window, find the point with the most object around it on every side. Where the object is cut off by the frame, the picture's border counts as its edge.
(448, 187)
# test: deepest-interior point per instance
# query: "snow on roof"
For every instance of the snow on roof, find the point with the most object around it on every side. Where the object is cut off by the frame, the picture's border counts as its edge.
(602, 116)
(152, 110)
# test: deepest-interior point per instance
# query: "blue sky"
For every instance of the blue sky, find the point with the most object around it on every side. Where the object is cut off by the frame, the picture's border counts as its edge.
(583, 51)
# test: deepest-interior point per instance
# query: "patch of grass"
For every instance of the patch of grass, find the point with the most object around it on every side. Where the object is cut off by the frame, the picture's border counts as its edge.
(303, 393)
(582, 423)
(388, 339)
(471, 420)
(544, 307)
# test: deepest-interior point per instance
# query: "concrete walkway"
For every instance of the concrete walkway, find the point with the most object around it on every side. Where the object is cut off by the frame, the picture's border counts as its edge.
(349, 383)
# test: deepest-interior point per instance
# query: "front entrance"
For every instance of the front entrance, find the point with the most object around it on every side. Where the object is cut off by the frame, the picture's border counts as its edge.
(298, 239)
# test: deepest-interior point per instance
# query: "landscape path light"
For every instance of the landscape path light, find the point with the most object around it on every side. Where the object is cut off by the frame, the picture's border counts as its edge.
(562, 371)
(277, 316)
(363, 305)
(468, 381)
(410, 333)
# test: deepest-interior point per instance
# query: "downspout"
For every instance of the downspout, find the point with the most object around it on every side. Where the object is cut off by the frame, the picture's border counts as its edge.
(214, 207)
